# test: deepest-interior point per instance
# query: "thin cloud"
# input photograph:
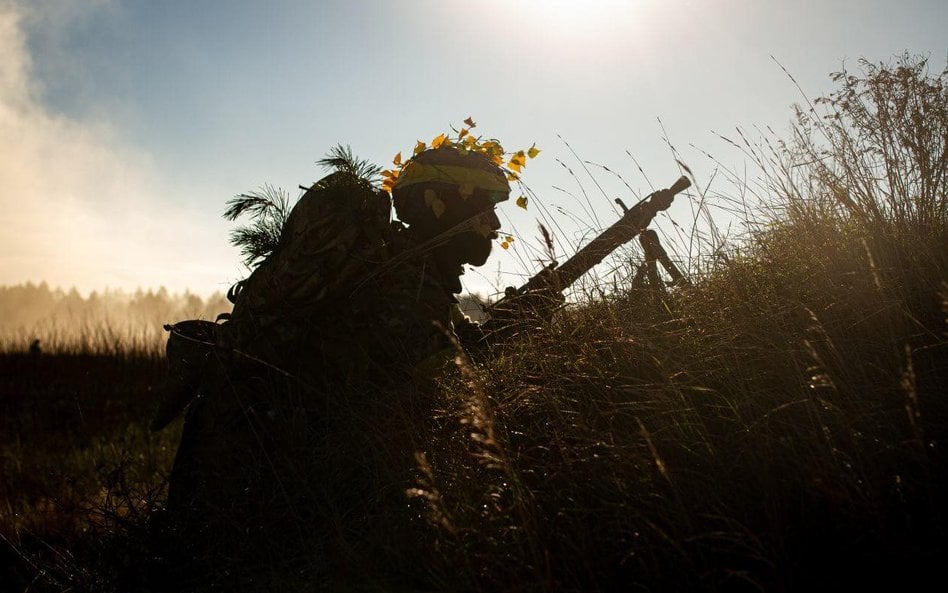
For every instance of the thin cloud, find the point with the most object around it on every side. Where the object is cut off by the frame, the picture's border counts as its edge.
(80, 207)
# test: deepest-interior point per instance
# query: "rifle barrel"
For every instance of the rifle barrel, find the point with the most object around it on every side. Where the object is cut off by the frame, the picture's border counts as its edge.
(622, 231)
(546, 286)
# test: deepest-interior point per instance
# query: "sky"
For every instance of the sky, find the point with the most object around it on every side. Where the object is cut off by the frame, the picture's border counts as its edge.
(125, 125)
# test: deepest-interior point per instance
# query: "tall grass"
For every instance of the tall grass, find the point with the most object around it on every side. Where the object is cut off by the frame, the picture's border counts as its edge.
(81, 472)
(776, 426)
(779, 425)
(89, 339)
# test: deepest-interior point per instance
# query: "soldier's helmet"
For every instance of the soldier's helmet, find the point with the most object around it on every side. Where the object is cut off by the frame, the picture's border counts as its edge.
(448, 178)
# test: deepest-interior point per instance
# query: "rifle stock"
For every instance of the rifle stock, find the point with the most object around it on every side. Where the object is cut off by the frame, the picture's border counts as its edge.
(542, 293)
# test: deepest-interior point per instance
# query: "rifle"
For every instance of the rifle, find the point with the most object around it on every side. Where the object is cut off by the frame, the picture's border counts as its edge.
(542, 293)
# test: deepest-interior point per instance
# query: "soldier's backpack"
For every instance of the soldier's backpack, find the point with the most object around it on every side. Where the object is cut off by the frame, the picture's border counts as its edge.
(338, 231)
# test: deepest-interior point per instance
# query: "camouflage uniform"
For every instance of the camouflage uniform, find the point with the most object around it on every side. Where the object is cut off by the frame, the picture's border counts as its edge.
(302, 438)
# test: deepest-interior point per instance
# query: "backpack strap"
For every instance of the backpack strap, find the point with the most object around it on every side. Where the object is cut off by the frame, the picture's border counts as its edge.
(188, 350)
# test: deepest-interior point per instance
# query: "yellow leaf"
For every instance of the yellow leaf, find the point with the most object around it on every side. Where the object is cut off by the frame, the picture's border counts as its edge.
(438, 141)
(509, 239)
(512, 176)
(514, 165)
(420, 147)
(388, 174)
(438, 208)
(533, 152)
(505, 245)
(498, 159)
(493, 148)
(522, 202)
(470, 141)
(397, 161)
(434, 202)
(469, 122)
(462, 133)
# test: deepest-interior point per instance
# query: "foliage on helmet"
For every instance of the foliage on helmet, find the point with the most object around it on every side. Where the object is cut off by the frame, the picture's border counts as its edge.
(510, 164)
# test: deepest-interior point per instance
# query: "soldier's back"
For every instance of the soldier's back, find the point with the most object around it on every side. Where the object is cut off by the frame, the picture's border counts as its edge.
(301, 445)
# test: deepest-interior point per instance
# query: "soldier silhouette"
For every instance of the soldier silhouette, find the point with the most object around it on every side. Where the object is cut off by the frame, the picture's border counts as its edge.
(304, 406)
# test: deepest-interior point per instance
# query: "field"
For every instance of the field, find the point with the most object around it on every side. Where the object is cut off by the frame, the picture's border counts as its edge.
(780, 425)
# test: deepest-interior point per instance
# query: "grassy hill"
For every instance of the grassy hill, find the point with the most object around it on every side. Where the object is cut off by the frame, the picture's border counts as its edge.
(780, 425)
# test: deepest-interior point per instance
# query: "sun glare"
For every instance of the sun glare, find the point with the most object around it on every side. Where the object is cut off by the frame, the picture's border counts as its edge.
(575, 16)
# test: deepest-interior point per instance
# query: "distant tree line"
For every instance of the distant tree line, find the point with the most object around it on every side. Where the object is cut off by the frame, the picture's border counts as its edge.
(65, 319)
(36, 310)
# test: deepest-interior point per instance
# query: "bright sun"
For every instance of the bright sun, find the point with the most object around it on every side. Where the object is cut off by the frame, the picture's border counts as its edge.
(577, 15)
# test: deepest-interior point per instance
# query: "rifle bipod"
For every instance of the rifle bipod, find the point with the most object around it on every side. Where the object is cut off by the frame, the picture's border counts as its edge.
(647, 272)
(542, 294)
